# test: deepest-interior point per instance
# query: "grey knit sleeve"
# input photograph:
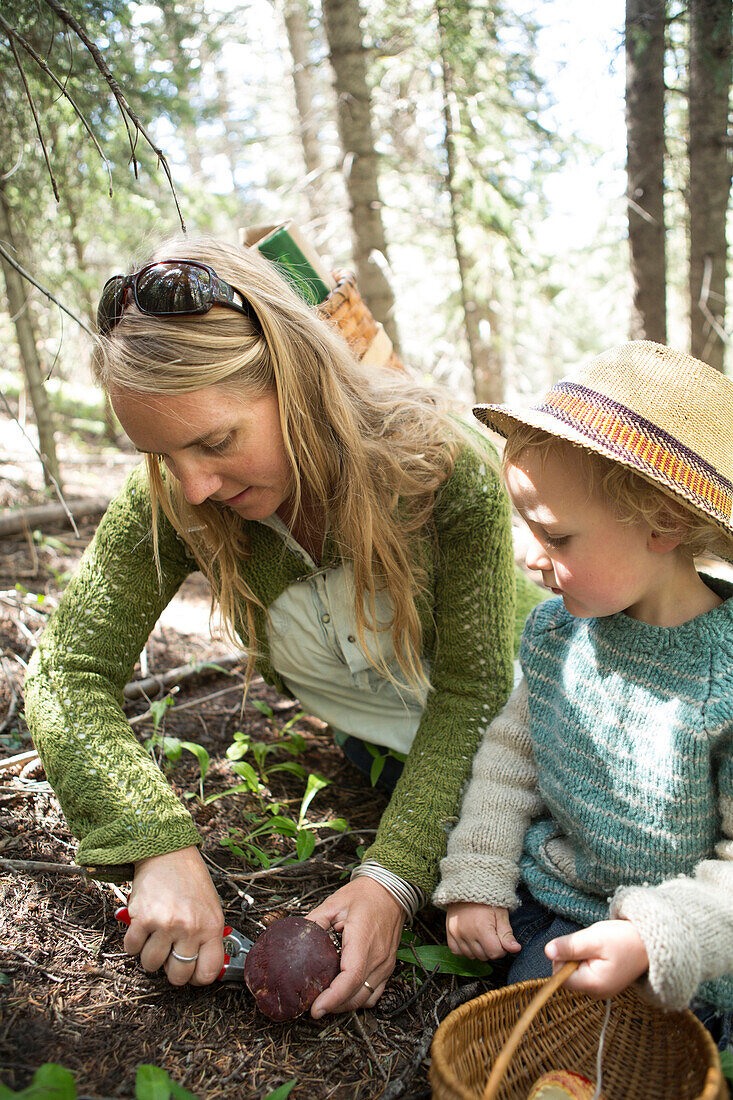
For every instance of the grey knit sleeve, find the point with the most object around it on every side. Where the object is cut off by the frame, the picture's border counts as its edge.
(482, 862)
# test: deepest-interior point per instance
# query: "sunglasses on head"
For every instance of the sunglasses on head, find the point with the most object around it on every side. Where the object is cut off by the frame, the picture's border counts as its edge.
(169, 288)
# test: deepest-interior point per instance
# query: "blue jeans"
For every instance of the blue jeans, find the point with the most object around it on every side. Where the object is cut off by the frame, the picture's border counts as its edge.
(534, 926)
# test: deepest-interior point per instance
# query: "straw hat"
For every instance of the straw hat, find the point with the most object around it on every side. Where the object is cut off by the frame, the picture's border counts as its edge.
(658, 411)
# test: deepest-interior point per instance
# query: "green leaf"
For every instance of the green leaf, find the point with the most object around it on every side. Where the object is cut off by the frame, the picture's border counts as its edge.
(50, 1082)
(201, 755)
(283, 1091)
(315, 784)
(5, 979)
(432, 955)
(305, 844)
(158, 709)
(288, 766)
(263, 708)
(238, 749)
(285, 826)
(297, 741)
(376, 769)
(152, 1083)
(247, 773)
(171, 748)
(726, 1064)
(239, 788)
(338, 824)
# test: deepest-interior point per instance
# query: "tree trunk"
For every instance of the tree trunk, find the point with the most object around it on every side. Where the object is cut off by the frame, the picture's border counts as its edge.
(710, 77)
(295, 17)
(342, 20)
(18, 306)
(645, 166)
(486, 367)
(110, 421)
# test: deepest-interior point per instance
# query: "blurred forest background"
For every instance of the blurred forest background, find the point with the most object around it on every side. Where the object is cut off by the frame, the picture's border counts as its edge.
(518, 184)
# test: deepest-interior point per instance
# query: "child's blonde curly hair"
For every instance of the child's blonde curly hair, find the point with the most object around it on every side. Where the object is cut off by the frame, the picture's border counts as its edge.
(632, 498)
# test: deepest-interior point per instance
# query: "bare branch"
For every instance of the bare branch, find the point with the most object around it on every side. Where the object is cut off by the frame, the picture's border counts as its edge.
(125, 108)
(36, 119)
(14, 36)
(26, 275)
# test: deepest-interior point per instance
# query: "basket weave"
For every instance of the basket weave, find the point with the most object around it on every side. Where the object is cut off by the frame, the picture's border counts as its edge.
(346, 308)
(648, 1054)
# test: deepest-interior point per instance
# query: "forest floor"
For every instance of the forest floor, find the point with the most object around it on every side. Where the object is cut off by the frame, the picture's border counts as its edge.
(68, 992)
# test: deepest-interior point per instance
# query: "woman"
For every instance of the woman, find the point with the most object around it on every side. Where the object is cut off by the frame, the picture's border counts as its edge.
(356, 539)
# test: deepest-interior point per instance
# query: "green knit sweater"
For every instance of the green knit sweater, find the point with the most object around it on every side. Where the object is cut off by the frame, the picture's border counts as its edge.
(116, 800)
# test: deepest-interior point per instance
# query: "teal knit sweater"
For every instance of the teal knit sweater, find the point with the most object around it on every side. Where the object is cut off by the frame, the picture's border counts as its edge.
(607, 786)
(116, 800)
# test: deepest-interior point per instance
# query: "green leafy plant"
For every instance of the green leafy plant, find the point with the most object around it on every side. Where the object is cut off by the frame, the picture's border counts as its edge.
(380, 756)
(434, 957)
(270, 821)
(726, 1063)
(54, 1082)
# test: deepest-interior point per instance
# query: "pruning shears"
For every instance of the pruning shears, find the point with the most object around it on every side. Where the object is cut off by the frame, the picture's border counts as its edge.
(236, 947)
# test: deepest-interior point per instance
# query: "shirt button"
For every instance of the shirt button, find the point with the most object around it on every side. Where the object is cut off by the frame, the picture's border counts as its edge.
(352, 639)
(325, 618)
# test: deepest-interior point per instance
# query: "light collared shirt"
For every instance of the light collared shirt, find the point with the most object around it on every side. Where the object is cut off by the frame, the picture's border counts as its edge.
(314, 647)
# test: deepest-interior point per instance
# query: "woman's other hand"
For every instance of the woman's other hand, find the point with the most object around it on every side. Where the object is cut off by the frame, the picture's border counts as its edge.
(479, 931)
(370, 922)
(611, 955)
(174, 906)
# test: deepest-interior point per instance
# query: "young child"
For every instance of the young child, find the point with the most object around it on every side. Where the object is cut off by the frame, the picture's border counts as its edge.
(598, 823)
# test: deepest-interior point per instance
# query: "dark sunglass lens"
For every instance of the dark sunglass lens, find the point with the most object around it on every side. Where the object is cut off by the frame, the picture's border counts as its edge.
(111, 304)
(173, 288)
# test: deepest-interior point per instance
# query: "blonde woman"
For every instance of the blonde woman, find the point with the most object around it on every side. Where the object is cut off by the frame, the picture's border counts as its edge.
(357, 541)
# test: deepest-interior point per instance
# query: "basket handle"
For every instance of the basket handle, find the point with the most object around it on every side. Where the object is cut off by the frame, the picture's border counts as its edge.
(542, 995)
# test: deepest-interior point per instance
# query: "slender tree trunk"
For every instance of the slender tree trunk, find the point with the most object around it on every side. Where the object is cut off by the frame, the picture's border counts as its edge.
(342, 20)
(710, 78)
(486, 367)
(18, 306)
(110, 421)
(295, 17)
(645, 27)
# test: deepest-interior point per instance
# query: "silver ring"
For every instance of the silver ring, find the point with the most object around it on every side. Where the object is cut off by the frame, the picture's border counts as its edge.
(184, 958)
(369, 987)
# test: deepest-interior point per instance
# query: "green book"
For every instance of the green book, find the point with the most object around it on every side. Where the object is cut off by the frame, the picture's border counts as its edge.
(291, 253)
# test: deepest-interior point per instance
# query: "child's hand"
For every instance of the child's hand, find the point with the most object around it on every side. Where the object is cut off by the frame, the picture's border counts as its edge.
(479, 931)
(611, 953)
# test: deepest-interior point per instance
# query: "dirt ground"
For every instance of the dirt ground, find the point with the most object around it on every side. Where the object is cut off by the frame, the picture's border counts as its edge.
(68, 992)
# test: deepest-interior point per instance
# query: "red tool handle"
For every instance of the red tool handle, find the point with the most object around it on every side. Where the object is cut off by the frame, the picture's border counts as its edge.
(123, 916)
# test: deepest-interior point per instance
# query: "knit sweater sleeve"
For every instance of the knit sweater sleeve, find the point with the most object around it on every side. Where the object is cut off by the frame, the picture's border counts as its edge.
(482, 863)
(115, 799)
(471, 674)
(686, 923)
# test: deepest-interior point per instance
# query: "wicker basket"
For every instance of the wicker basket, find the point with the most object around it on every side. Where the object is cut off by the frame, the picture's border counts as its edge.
(346, 308)
(524, 1030)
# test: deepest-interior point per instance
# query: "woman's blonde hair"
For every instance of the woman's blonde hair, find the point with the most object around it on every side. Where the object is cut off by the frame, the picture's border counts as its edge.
(632, 498)
(373, 447)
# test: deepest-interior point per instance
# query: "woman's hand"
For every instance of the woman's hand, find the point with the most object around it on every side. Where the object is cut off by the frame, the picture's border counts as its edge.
(611, 954)
(174, 905)
(479, 931)
(370, 922)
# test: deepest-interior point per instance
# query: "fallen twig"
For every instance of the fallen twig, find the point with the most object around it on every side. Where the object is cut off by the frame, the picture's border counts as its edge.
(368, 1044)
(154, 684)
(18, 760)
(22, 518)
(39, 867)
